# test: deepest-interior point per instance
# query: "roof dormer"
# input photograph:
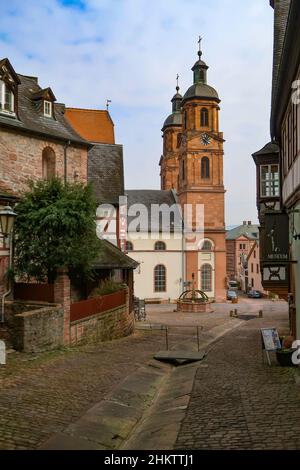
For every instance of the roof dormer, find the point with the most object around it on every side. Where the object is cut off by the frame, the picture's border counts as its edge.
(45, 102)
(9, 82)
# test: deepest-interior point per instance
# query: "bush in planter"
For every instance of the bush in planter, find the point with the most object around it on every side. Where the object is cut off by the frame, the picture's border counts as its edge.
(106, 287)
(284, 357)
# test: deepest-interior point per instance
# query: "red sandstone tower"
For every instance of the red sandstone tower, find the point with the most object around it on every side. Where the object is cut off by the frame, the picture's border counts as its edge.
(192, 164)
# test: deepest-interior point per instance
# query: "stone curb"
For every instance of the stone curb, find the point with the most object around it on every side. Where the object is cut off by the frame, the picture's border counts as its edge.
(107, 424)
(160, 425)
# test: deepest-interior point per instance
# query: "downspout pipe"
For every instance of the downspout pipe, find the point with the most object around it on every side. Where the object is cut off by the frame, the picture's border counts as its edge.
(183, 254)
(68, 143)
(8, 292)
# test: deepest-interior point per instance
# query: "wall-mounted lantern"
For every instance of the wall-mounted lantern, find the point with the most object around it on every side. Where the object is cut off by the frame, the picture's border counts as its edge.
(7, 219)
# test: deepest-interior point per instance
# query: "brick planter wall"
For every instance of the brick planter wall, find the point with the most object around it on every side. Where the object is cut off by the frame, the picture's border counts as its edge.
(112, 324)
(39, 330)
(37, 326)
(104, 326)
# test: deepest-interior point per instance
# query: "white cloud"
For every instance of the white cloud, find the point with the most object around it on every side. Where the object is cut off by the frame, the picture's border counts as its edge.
(130, 52)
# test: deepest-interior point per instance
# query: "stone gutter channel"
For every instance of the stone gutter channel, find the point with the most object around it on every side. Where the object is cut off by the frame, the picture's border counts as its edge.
(144, 412)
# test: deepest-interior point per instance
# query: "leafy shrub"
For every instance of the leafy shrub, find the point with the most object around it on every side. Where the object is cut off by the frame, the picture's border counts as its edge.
(55, 227)
(106, 287)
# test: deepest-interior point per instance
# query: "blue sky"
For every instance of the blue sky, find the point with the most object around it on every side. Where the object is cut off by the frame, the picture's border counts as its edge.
(129, 51)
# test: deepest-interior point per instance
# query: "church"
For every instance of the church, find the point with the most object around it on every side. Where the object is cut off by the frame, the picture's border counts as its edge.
(191, 177)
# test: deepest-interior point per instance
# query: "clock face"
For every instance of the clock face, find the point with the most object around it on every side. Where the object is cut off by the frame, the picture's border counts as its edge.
(205, 139)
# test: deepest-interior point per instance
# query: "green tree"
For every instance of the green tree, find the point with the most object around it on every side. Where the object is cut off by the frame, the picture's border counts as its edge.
(55, 227)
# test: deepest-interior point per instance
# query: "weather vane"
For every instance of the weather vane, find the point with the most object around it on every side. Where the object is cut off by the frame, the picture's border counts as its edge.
(177, 87)
(107, 104)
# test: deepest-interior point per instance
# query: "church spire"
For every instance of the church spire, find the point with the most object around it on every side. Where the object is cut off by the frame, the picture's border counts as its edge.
(200, 68)
(177, 98)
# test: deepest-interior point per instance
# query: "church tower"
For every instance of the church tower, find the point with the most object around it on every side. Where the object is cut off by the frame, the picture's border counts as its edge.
(171, 130)
(200, 180)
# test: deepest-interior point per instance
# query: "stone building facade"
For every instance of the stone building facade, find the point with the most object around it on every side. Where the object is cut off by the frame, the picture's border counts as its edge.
(36, 142)
(239, 243)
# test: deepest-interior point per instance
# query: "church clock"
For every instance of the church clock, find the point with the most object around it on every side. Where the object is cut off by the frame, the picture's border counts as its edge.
(205, 139)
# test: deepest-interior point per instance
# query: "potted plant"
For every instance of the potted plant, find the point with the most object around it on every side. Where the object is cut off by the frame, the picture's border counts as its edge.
(284, 355)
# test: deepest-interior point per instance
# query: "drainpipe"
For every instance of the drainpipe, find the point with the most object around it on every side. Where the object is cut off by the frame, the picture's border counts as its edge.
(68, 143)
(183, 255)
(6, 294)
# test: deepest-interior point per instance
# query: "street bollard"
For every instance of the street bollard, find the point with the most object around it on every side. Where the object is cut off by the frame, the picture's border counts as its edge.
(231, 313)
(261, 314)
(2, 353)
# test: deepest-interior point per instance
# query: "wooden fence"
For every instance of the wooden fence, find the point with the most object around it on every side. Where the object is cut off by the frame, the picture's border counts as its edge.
(86, 308)
(34, 292)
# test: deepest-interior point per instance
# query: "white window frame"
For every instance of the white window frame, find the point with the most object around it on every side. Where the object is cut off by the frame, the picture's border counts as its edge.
(3, 86)
(46, 102)
(270, 180)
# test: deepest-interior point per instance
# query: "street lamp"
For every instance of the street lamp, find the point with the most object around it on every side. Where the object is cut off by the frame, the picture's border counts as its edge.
(7, 219)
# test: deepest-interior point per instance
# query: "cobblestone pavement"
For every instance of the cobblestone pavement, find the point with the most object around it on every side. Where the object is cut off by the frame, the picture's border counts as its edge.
(238, 402)
(42, 394)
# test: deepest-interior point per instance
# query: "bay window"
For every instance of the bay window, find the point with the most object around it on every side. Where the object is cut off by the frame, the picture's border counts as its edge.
(269, 180)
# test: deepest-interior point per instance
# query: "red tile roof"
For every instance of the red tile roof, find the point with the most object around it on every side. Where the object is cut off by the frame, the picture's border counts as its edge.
(93, 125)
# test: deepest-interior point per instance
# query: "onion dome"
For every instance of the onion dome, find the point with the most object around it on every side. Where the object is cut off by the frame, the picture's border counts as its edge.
(175, 119)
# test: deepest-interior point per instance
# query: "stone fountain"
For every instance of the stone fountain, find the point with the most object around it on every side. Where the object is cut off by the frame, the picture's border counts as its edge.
(193, 301)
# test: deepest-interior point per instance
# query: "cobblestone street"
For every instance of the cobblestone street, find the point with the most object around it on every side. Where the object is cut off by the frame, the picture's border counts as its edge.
(236, 401)
(40, 395)
(239, 403)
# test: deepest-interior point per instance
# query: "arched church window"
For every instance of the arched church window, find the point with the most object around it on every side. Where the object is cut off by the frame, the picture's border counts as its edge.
(201, 75)
(206, 278)
(207, 246)
(205, 169)
(48, 163)
(160, 278)
(160, 246)
(204, 117)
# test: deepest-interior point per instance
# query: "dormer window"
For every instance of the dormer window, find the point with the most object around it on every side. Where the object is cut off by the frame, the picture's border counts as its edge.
(47, 108)
(7, 101)
(44, 100)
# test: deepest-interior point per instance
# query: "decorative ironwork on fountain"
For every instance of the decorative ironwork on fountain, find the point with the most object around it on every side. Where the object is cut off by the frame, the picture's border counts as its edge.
(193, 300)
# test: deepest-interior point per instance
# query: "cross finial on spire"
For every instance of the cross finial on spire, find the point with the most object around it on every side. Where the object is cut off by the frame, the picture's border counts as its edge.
(177, 86)
(199, 42)
(107, 104)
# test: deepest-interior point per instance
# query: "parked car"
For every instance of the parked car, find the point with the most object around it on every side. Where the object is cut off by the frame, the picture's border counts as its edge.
(233, 285)
(255, 294)
(231, 294)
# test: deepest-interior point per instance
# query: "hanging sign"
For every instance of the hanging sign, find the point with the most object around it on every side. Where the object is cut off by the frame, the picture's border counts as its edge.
(276, 238)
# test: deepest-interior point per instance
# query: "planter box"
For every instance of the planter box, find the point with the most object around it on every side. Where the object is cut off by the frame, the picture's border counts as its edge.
(285, 358)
